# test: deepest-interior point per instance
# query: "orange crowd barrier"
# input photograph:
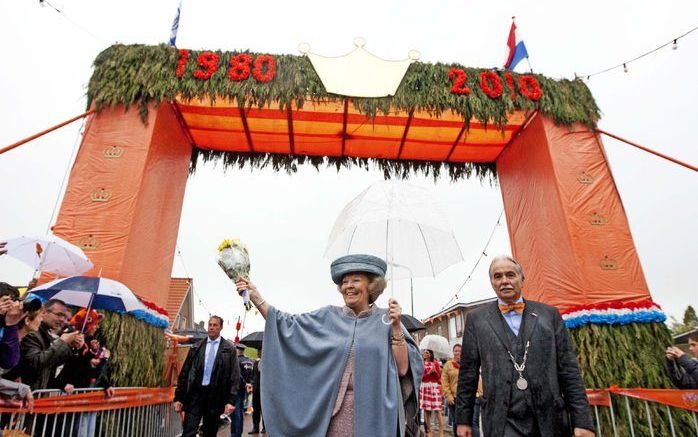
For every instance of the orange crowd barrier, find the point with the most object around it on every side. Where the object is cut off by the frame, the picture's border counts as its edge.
(97, 401)
(686, 399)
(599, 398)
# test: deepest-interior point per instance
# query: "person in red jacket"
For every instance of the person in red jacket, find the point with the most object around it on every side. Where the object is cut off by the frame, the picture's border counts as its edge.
(430, 392)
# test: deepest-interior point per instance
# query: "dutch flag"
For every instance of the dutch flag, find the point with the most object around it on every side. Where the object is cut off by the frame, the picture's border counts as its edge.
(517, 52)
(175, 26)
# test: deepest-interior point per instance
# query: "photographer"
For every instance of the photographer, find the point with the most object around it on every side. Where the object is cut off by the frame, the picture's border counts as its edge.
(683, 369)
(42, 352)
(11, 312)
(10, 315)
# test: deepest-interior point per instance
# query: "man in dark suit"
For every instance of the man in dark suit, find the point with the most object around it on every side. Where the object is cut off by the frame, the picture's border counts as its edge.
(531, 379)
(208, 382)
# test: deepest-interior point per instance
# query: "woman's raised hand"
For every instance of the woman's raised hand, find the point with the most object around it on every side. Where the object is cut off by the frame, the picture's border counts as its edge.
(394, 312)
(243, 284)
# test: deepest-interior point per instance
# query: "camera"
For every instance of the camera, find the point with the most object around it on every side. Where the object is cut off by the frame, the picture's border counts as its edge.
(30, 305)
(67, 329)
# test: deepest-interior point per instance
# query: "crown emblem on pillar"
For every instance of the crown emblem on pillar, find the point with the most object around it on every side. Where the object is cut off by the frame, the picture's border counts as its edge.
(597, 219)
(100, 195)
(585, 178)
(608, 263)
(113, 152)
(359, 73)
(89, 243)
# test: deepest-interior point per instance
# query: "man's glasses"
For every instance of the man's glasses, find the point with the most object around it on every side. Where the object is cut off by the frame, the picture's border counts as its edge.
(63, 315)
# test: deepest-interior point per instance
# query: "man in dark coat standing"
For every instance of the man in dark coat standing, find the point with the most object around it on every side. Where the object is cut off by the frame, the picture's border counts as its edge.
(257, 396)
(246, 367)
(531, 379)
(208, 382)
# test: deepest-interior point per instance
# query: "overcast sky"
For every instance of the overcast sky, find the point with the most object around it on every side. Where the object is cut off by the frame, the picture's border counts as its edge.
(285, 220)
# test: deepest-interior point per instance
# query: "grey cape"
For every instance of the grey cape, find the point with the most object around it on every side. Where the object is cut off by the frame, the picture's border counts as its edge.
(304, 359)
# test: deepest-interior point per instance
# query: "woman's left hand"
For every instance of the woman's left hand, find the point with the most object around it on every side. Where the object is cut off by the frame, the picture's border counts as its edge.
(394, 312)
(672, 352)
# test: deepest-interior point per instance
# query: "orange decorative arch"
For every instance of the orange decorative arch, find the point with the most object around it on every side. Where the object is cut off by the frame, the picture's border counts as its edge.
(565, 217)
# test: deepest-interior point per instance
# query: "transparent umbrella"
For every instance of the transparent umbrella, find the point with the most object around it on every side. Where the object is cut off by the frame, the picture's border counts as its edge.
(400, 223)
(437, 344)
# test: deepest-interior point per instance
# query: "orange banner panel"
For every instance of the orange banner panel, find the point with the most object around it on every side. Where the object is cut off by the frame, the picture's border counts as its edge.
(317, 128)
(435, 134)
(271, 142)
(426, 150)
(685, 399)
(366, 147)
(124, 195)
(471, 153)
(212, 122)
(369, 129)
(318, 146)
(232, 141)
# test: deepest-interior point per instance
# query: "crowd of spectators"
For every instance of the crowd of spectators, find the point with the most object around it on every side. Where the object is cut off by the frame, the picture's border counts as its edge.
(47, 345)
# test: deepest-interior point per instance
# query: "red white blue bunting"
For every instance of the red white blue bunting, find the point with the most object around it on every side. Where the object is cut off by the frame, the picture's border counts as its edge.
(614, 313)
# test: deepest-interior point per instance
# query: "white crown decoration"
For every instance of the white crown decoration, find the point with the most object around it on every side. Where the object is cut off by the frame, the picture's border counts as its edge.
(359, 73)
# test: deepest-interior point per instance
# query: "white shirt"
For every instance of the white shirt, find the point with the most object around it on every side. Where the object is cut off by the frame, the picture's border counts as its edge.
(208, 366)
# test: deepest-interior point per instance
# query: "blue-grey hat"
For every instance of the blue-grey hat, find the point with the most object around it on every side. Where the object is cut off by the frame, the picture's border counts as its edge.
(356, 263)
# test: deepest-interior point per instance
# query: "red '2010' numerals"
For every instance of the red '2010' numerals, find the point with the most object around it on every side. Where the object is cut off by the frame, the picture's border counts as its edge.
(491, 84)
(458, 77)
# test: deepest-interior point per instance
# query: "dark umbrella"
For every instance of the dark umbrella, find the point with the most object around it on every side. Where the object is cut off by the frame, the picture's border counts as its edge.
(411, 324)
(253, 340)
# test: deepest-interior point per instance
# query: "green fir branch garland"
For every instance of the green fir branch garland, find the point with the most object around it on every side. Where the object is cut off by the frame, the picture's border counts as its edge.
(137, 351)
(142, 75)
(139, 75)
(390, 168)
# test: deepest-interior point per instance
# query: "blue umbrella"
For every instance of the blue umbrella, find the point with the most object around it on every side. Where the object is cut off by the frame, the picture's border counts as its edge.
(99, 293)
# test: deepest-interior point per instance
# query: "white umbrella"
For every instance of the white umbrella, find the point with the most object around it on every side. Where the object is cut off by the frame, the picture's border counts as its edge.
(400, 223)
(437, 344)
(49, 254)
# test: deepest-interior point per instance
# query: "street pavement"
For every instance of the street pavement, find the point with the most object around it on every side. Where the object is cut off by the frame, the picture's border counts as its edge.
(224, 431)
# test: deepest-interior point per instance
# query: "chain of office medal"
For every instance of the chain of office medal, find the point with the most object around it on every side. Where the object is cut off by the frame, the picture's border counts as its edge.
(521, 383)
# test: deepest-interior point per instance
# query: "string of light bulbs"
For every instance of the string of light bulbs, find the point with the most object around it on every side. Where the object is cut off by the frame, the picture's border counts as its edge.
(44, 3)
(186, 272)
(674, 45)
(483, 253)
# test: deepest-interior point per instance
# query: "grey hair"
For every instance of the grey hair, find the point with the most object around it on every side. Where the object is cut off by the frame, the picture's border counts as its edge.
(509, 258)
(376, 286)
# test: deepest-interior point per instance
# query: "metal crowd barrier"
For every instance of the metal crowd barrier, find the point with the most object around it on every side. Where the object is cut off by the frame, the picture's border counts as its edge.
(634, 416)
(131, 412)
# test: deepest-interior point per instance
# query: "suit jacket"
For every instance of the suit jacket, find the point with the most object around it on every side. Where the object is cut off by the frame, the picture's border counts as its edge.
(554, 380)
(225, 376)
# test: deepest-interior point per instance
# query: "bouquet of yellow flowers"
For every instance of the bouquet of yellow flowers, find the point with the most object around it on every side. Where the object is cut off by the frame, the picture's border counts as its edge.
(234, 259)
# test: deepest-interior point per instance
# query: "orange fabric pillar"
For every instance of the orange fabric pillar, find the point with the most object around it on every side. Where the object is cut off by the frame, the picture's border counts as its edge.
(124, 197)
(566, 221)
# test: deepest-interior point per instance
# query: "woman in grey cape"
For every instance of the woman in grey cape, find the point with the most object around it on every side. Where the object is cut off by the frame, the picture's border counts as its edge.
(340, 371)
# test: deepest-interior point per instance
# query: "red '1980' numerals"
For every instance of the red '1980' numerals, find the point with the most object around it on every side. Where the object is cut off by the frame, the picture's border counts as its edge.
(241, 66)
